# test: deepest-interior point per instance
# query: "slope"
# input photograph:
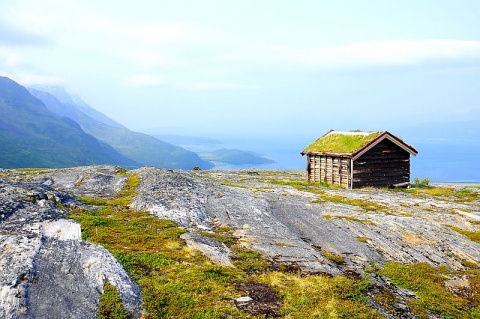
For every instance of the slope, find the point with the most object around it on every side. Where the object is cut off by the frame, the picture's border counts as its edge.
(32, 136)
(140, 147)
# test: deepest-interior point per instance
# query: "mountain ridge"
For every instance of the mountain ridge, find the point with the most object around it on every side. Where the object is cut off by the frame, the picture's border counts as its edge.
(33, 136)
(141, 148)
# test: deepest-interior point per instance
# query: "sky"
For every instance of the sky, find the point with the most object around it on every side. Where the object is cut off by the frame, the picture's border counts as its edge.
(271, 68)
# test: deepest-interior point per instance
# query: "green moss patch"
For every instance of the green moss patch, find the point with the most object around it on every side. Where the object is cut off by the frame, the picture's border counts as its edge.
(110, 305)
(340, 143)
(428, 283)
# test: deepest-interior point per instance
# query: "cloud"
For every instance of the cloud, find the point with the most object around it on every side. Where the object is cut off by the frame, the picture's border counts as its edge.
(142, 80)
(190, 52)
(11, 35)
(360, 55)
(15, 66)
(210, 86)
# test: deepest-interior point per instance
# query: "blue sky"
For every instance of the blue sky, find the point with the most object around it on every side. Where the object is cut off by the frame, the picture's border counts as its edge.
(252, 67)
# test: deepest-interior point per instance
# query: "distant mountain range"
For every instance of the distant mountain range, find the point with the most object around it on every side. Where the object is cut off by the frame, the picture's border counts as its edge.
(53, 129)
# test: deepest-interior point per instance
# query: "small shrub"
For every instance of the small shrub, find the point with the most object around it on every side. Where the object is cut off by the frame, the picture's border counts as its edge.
(425, 182)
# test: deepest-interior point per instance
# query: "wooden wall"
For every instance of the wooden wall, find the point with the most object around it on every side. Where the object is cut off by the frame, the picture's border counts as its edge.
(328, 169)
(383, 165)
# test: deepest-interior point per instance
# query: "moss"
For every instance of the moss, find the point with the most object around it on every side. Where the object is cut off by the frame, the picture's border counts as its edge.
(463, 195)
(363, 239)
(309, 297)
(333, 257)
(472, 235)
(249, 261)
(223, 234)
(349, 218)
(324, 197)
(428, 283)
(121, 171)
(230, 183)
(340, 143)
(111, 305)
(469, 264)
(364, 204)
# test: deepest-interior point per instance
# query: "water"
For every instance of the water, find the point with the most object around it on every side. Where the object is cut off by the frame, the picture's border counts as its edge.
(440, 161)
(447, 161)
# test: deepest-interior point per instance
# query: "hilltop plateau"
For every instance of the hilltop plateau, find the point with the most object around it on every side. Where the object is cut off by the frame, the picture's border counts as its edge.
(102, 241)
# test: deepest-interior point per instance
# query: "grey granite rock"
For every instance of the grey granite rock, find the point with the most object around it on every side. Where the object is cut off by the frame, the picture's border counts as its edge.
(46, 270)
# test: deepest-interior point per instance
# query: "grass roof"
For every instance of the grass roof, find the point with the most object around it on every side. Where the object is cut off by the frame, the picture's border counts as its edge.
(341, 142)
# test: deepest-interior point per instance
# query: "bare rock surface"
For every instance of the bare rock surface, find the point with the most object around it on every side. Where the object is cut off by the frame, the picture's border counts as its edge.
(101, 181)
(46, 270)
(300, 228)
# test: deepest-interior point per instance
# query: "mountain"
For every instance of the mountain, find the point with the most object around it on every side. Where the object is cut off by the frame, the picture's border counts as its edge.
(33, 136)
(76, 102)
(186, 140)
(140, 147)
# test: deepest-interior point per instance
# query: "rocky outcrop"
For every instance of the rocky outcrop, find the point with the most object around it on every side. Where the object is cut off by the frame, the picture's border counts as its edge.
(299, 228)
(46, 269)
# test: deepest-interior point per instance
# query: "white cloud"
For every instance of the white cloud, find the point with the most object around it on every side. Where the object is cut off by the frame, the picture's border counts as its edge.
(141, 80)
(210, 86)
(109, 44)
(14, 66)
(378, 53)
(13, 35)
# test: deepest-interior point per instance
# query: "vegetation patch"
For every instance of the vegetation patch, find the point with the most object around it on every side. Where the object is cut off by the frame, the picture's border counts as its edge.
(309, 297)
(340, 143)
(428, 283)
(333, 257)
(110, 305)
(178, 282)
(230, 183)
(364, 204)
(463, 195)
(363, 239)
(421, 183)
(249, 261)
(349, 218)
(324, 197)
(472, 235)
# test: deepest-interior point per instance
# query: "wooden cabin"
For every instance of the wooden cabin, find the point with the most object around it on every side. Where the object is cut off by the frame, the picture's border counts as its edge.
(359, 159)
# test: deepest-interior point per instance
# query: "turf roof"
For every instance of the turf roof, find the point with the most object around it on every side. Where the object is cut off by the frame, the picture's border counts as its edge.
(341, 142)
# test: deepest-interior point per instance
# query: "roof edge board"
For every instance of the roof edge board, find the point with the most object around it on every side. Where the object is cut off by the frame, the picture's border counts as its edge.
(390, 137)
